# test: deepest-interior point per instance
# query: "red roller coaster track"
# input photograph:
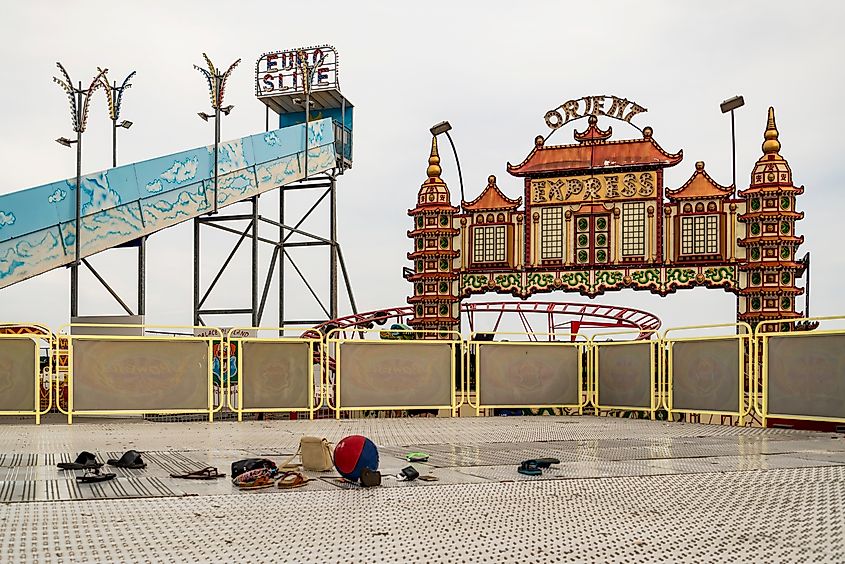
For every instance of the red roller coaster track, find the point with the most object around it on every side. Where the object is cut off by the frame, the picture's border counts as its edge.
(559, 315)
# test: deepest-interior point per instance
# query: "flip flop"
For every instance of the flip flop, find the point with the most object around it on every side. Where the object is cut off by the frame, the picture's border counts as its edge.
(546, 462)
(529, 468)
(131, 459)
(257, 479)
(86, 460)
(291, 479)
(416, 457)
(93, 475)
(207, 473)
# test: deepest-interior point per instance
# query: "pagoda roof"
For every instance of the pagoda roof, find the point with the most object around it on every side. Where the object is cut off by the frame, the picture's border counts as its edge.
(491, 198)
(594, 152)
(700, 186)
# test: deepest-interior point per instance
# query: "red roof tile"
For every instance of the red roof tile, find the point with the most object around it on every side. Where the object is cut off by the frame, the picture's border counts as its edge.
(491, 199)
(601, 154)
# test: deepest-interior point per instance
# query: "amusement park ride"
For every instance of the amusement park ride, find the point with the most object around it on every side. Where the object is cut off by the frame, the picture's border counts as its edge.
(596, 217)
(588, 216)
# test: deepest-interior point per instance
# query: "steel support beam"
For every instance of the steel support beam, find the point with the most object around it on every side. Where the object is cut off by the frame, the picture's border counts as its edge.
(107, 287)
(333, 251)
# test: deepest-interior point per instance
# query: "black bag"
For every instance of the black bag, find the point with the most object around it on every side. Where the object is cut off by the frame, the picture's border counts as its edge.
(248, 464)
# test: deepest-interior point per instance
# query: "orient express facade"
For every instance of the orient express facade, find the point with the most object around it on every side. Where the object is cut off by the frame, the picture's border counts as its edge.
(594, 216)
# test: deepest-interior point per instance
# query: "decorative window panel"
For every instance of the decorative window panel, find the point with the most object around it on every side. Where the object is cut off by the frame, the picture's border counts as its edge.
(489, 244)
(633, 229)
(551, 233)
(700, 235)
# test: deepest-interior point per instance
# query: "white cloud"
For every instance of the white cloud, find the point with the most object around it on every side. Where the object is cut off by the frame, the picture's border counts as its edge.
(181, 171)
(57, 196)
(155, 186)
(6, 218)
(271, 138)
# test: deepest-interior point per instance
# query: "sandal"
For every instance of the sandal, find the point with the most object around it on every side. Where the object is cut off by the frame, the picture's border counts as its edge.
(131, 459)
(546, 462)
(85, 461)
(254, 479)
(93, 475)
(529, 468)
(292, 479)
(207, 473)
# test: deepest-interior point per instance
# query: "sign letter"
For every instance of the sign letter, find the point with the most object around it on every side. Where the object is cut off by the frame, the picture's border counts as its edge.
(539, 191)
(629, 185)
(554, 190)
(612, 186)
(646, 184)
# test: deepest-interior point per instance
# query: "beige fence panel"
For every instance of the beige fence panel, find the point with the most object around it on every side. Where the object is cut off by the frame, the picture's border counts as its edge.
(119, 375)
(625, 375)
(528, 374)
(394, 374)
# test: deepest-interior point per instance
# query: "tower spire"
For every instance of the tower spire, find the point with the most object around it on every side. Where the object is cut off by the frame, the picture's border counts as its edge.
(771, 145)
(434, 170)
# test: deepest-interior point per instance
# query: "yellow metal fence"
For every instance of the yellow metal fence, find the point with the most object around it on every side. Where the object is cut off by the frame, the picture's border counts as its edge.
(732, 371)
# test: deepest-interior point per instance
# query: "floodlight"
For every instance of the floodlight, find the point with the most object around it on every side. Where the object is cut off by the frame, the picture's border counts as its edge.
(65, 141)
(125, 124)
(732, 104)
(204, 116)
(441, 127)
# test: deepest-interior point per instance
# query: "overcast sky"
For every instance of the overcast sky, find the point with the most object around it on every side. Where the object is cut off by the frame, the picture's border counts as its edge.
(492, 69)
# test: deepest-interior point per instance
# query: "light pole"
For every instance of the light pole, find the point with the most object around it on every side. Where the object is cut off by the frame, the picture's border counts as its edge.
(730, 105)
(444, 127)
(79, 100)
(114, 96)
(216, 90)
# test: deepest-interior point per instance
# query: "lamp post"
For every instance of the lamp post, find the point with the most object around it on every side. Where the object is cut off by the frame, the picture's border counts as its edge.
(114, 96)
(444, 127)
(730, 105)
(216, 89)
(79, 100)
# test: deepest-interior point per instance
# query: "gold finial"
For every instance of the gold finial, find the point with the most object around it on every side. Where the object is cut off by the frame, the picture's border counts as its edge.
(433, 160)
(771, 144)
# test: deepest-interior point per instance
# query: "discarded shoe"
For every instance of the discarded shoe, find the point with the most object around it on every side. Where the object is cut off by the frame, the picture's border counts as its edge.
(207, 473)
(370, 478)
(408, 474)
(85, 460)
(131, 459)
(254, 479)
(292, 479)
(529, 468)
(546, 462)
(93, 475)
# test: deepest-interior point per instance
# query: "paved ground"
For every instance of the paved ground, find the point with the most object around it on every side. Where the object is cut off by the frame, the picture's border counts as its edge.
(625, 491)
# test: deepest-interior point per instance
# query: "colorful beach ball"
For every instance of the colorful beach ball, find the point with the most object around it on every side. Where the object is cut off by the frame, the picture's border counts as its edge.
(354, 453)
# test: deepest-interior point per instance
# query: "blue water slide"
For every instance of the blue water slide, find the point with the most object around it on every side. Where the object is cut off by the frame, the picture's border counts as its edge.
(38, 225)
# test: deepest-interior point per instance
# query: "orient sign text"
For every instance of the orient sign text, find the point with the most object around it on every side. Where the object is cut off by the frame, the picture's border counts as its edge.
(610, 106)
(286, 71)
(591, 188)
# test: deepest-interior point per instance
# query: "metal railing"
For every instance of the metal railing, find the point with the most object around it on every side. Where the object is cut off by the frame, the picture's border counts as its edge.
(773, 372)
